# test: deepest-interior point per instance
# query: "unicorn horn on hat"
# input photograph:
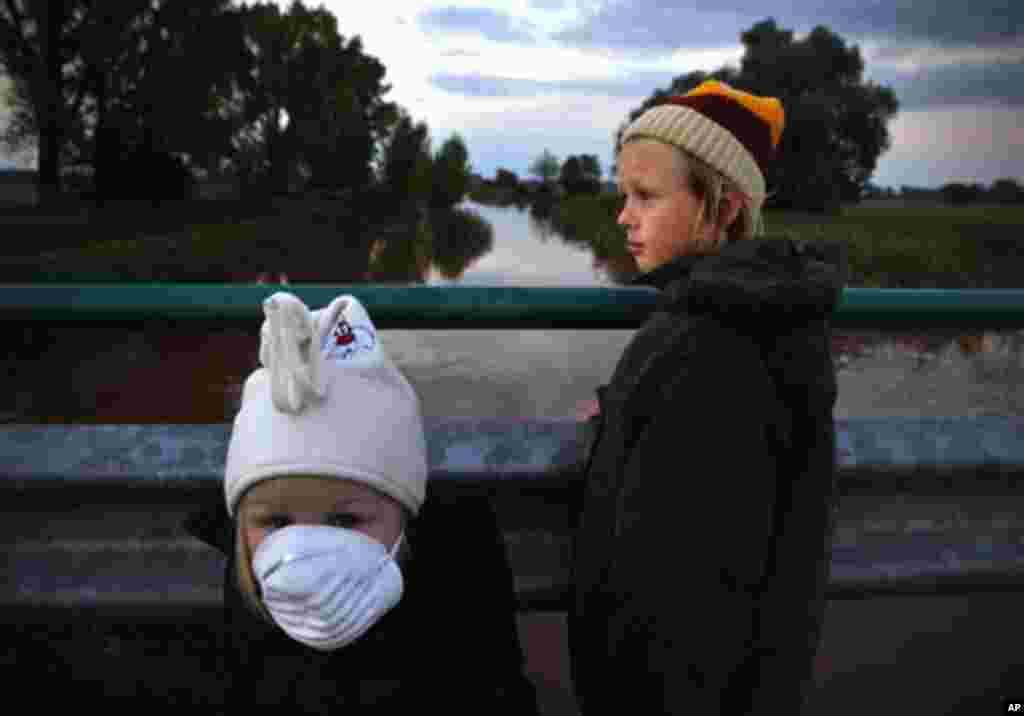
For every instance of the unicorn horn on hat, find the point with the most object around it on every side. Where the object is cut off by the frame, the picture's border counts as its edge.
(290, 351)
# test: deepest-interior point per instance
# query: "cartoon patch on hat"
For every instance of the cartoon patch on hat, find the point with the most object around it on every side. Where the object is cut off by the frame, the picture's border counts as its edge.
(347, 340)
(347, 333)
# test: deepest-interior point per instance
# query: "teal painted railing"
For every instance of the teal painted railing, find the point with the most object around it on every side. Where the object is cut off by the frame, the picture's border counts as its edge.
(472, 307)
(907, 487)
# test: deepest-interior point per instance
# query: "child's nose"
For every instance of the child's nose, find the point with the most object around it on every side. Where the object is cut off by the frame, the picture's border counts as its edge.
(622, 219)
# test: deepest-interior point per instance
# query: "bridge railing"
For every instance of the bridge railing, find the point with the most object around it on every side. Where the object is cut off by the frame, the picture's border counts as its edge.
(93, 513)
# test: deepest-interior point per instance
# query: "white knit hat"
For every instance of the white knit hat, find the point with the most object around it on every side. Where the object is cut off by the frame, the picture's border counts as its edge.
(329, 403)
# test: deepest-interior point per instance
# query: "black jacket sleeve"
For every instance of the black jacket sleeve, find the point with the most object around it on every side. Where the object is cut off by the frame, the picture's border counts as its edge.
(694, 525)
(464, 563)
(211, 524)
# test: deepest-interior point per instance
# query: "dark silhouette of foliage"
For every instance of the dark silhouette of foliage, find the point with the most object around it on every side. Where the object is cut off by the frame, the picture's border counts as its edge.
(836, 122)
(1006, 191)
(450, 174)
(581, 175)
(506, 179)
(406, 164)
(545, 167)
(961, 194)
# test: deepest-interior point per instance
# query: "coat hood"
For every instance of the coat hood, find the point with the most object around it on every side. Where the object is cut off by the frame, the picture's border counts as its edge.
(781, 280)
(782, 293)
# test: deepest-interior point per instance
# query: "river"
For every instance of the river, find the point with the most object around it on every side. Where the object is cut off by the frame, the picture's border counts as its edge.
(160, 376)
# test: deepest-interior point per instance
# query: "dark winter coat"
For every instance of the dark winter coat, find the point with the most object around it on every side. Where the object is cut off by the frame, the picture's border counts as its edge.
(702, 549)
(450, 645)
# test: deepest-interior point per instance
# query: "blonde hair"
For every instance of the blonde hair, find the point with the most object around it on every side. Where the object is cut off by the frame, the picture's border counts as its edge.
(245, 579)
(710, 187)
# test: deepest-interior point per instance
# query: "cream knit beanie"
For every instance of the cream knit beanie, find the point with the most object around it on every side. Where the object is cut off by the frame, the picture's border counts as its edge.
(329, 403)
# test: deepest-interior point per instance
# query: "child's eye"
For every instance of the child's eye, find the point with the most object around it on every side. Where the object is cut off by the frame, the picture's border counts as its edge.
(276, 522)
(341, 519)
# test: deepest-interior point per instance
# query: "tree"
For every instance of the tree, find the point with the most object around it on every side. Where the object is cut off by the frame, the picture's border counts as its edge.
(836, 122)
(571, 174)
(143, 111)
(34, 35)
(579, 175)
(115, 82)
(591, 166)
(311, 96)
(406, 163)
(546, 167)
(20, 137)
(1007, 191)
(961, 194)
(506, 179)
(450, 174)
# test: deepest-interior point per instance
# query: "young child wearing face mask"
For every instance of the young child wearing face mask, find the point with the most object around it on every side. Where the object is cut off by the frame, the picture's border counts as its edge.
(347, 587)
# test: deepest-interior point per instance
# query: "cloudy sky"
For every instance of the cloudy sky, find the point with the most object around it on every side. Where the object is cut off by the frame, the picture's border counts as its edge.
(515, 77)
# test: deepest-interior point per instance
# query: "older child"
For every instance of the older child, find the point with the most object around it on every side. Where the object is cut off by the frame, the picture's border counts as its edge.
(701, 555)
(347, 588)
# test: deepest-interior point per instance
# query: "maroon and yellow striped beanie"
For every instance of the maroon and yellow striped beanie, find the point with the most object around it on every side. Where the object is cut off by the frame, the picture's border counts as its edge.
(734, 131)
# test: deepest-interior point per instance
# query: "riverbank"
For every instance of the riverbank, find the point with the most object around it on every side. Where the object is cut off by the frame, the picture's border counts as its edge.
(213, 240)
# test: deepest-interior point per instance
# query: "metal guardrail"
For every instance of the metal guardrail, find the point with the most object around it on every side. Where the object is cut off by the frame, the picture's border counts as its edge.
(95, 512)
(931, 506)
(476, 307)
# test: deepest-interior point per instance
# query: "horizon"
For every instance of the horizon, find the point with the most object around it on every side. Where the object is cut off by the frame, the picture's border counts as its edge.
(6, 166)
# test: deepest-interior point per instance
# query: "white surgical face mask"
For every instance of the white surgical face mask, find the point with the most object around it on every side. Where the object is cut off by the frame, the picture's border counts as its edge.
(326, 586)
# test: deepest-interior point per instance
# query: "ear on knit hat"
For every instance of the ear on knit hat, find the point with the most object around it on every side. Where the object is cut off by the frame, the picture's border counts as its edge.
(768, 109)
(328, 402)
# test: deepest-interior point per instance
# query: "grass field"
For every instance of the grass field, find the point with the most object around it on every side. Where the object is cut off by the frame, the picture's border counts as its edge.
(901, 246)
(906, 246)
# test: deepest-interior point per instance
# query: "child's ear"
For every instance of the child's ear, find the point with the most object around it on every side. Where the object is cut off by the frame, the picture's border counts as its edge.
(213, 525)
(729, 209)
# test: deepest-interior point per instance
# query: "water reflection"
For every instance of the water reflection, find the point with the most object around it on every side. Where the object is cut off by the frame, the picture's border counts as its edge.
(408, 251)
(459, 238)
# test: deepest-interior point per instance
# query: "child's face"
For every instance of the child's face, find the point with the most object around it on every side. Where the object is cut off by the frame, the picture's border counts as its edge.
(660, 209)
(280, 502)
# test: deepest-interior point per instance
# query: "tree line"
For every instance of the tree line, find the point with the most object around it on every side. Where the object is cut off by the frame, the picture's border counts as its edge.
(578, 174)
(143, 95)
(1001, 191)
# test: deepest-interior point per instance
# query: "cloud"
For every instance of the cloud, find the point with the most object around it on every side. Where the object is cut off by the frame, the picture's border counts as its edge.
(460, 53)
(653, 27)
(932, 147)
(548, 4)
(639, 84)
(906, 58)
(657, 26)
(492, 24)
(989, 85)
(943, 22)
